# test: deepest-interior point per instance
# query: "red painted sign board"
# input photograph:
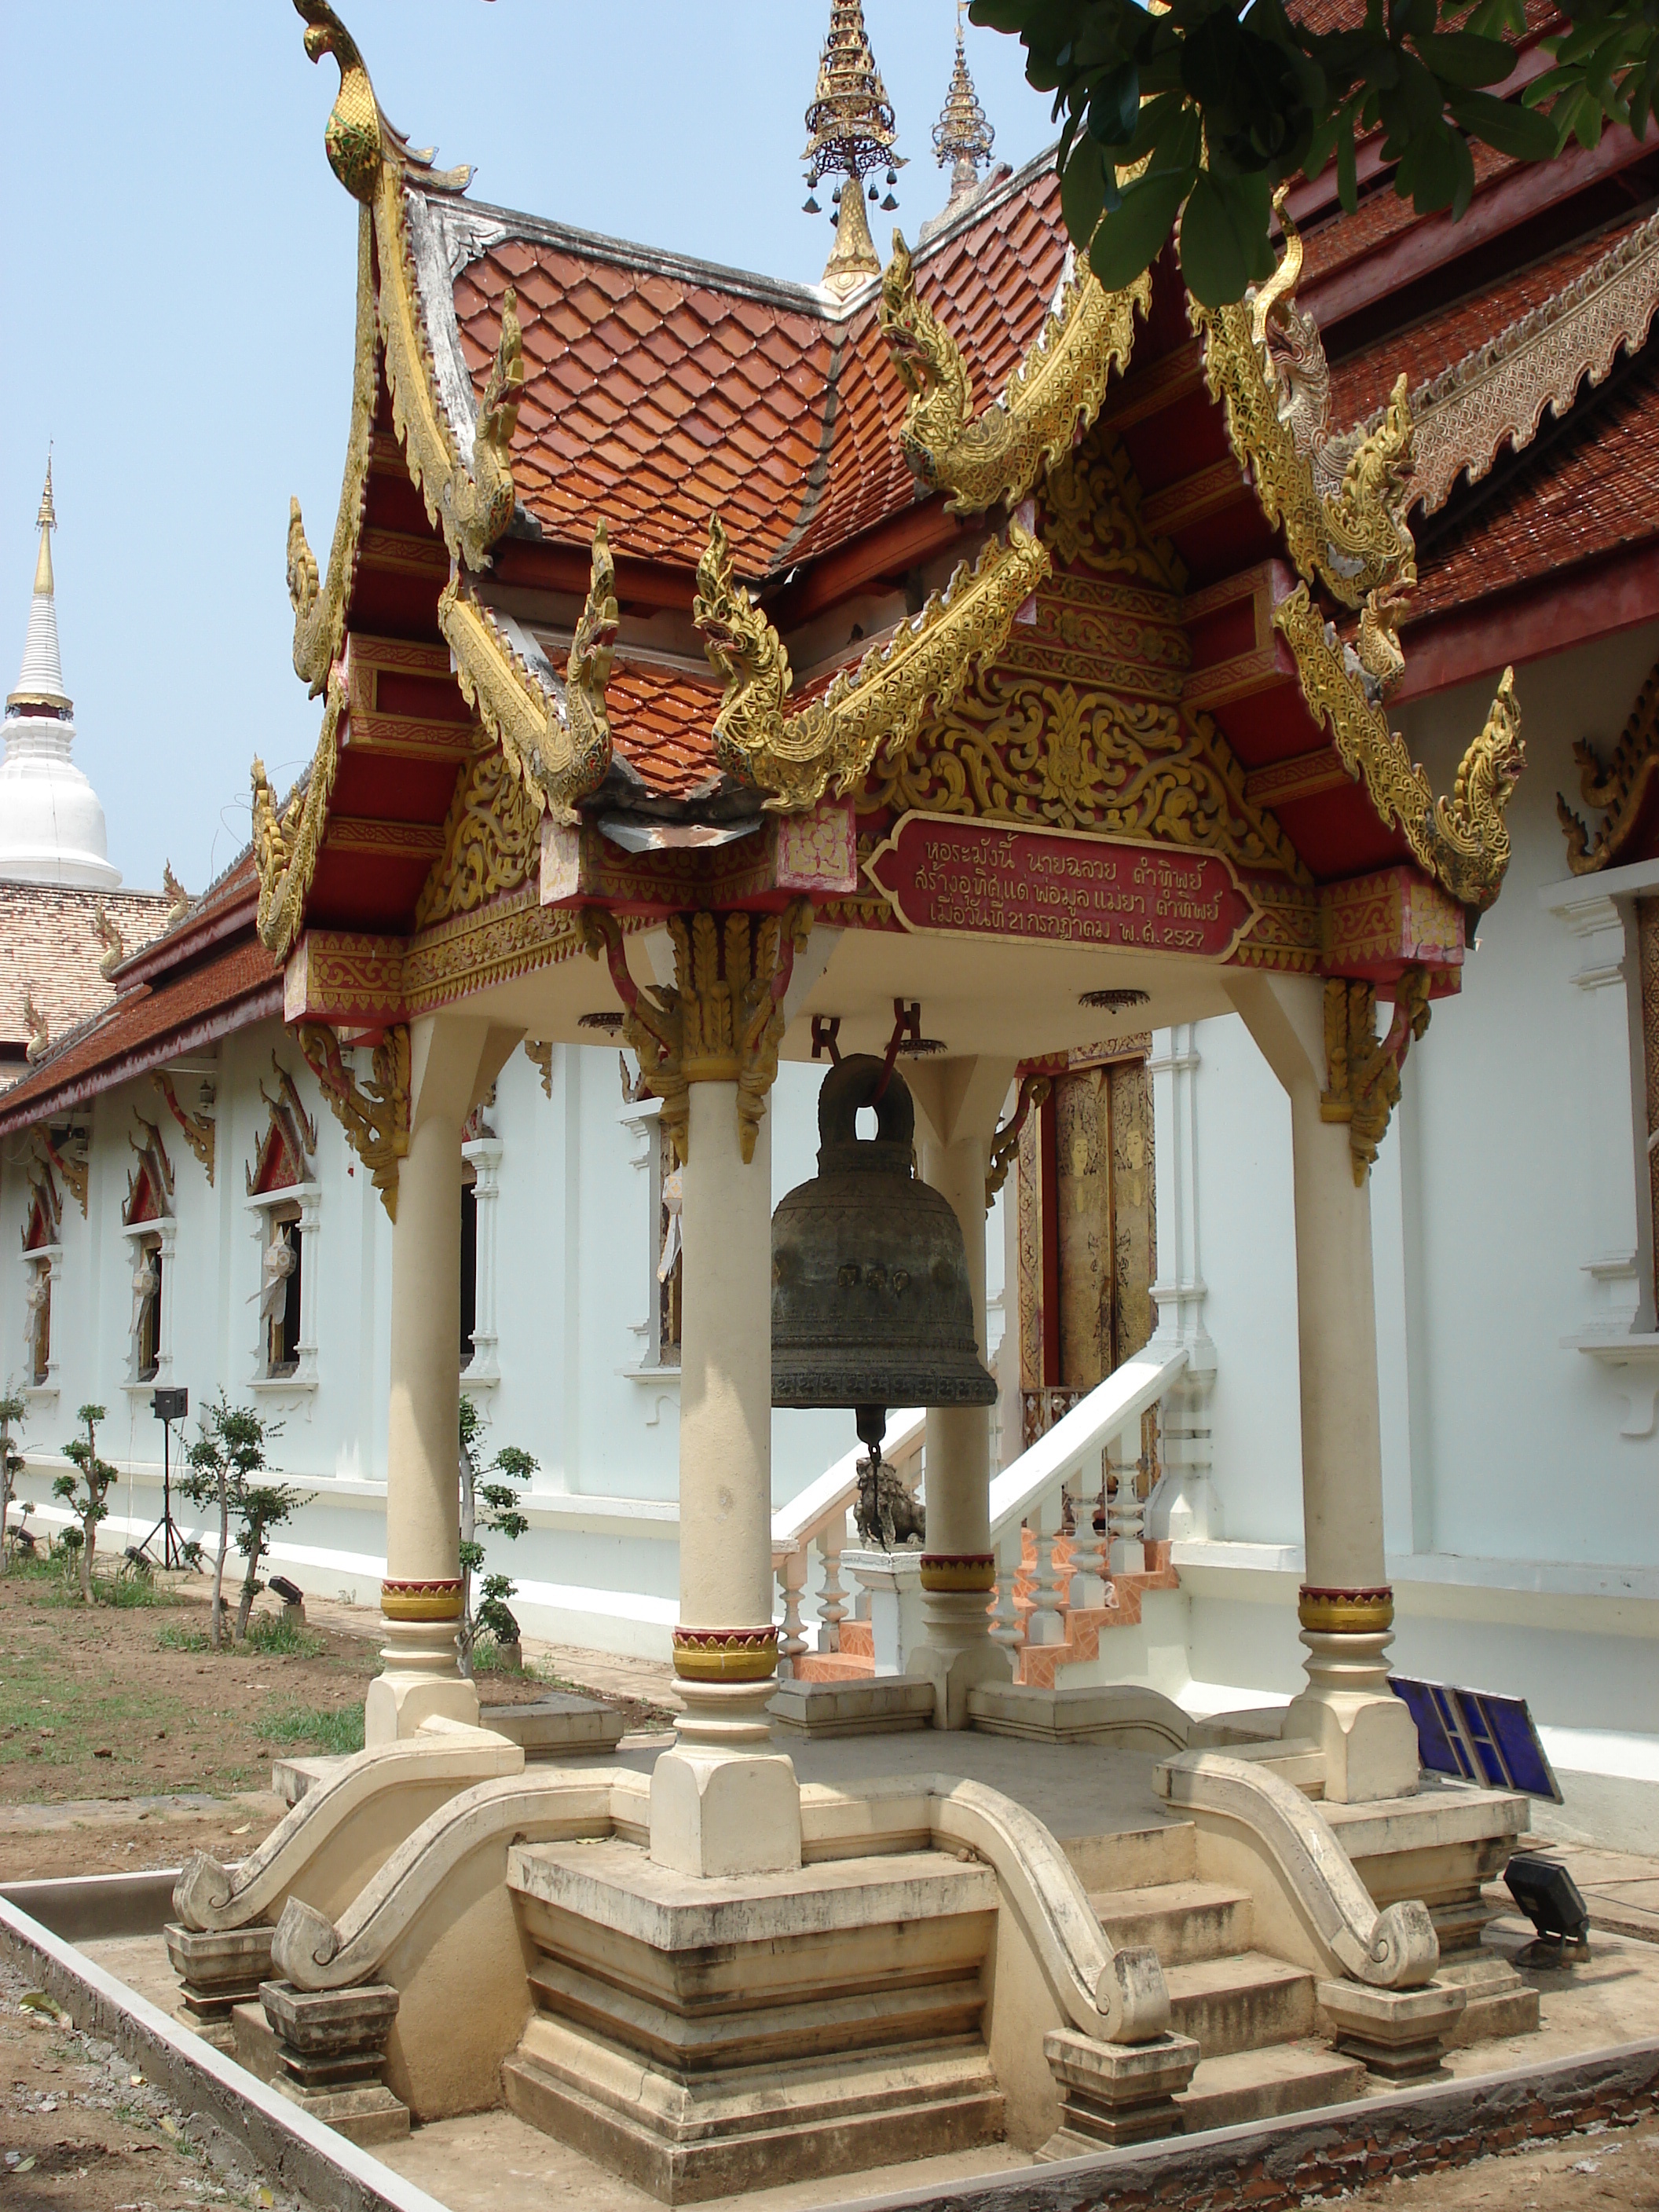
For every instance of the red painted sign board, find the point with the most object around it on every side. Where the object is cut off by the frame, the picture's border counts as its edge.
(952, 878)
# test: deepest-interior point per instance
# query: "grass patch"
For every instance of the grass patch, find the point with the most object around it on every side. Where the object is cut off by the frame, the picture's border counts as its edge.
(331, 1728)
(487, 1659)
(171, 1638)
(274, 1633)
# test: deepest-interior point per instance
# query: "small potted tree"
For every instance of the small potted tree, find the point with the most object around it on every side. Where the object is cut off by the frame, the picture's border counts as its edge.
(85, 1492)
(488, 1508)
(13, 1411)
(228, 1451)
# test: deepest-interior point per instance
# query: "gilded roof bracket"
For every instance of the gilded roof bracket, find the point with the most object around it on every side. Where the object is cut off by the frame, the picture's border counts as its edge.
(1620, 790)
(1463, 841)
(868, 713)
(375, 1119)
(1340, 501)
(320, 605)
(286, 840)
(1056, 391)
(557, 742)
(1364, 1069)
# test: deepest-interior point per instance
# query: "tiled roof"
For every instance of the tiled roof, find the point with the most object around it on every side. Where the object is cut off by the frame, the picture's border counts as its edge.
(1361, 383)
(47, 946)
(144, 1027)
(661, 719)
(657, 394)
(1594, 488)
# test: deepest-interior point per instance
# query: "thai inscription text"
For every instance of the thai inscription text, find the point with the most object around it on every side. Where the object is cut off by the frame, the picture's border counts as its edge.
(959, 877)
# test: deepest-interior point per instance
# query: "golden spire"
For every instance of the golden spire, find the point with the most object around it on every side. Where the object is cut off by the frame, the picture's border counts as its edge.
(963, 138)
(46, 522)
(850, 130)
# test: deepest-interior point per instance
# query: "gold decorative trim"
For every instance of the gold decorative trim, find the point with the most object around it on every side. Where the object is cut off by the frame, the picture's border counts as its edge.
(286, 844)
(427, 1600)
(966, 1571)
(1463, 841)
(1364, 1071)
(558, 747)
(1004, 1144)
(1340, 502)
(722, 1020)
(1345, 1613)
(492, 841)
(507, 938)
(319, 608)
(200, 1130)
(77, 1170)
(1057, 390)
(1621, 789)
(871, 711)
(725, 1654)
(375, 1120)
(1497, 393)
(1093, 512)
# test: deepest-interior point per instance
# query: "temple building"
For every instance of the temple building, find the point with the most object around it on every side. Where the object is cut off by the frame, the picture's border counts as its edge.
(63, 919)
(1083, 733)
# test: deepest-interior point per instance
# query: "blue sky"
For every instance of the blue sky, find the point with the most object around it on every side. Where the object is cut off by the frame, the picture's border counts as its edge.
(177, 276)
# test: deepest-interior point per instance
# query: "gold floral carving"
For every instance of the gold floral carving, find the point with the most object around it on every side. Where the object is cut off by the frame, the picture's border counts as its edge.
(492, 841)
(373, 162)
(557, 746)
(320, 605)
(1089, 508)
(1463, 841)
(1057, 389)
(870, 711)
(200, 1130)
(512, 936)
(1364, 1070)
(286, 842)
(375, 1119)
(540, 1050)
(73, 1165)
(1016, 747)
(722, 1020)
(1620, 789)
(1498, 394)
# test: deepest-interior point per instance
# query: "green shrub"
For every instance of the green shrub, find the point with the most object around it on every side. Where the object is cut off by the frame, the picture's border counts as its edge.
(172, 1639)
(275, 1633)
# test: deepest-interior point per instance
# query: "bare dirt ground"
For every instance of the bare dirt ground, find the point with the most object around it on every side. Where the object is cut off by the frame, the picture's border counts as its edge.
(79, 2128)
(1608, 2170)
(126, 1743)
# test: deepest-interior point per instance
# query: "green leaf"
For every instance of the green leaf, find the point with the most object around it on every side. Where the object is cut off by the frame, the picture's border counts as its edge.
(1224, 237)
(1115, 105)
(1462, 57)
(1522, 133)
(1130, 238)
(1000, 15)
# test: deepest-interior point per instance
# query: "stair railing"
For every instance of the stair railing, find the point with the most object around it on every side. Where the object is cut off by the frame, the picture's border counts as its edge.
(1101, 1431)
(815, 1520)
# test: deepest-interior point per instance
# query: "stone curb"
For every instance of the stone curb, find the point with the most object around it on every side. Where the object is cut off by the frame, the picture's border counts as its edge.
(1270, 2164)
(242, 2120)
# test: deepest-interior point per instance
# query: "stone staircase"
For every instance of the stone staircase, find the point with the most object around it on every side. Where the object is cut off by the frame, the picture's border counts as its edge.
(1252, 2015)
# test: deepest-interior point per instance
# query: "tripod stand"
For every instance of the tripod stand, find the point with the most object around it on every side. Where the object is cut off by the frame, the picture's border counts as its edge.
(167, 1406)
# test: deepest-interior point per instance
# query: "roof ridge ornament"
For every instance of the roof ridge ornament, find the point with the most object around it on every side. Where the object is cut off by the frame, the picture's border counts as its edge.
(1056, 391)
(962, 136)
(851, 131)
(360, 139)
(870, 712)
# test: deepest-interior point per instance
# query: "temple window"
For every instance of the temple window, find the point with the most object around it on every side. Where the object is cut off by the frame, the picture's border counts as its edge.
(480, 1160)
(284, 1198)
(41, 1256)
(151, 1232)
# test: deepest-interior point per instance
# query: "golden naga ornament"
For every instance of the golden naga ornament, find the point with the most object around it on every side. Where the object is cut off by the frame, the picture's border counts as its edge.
(375, 1119)
(722, 1020)
(874, 710)
(557, 742)
(286, 842)
(1364, 1070)
(1463, 841)
(1621, 789)
(318, 603)
(1056, 390)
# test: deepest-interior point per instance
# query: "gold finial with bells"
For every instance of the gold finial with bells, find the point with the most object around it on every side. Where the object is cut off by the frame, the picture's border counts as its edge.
(850, 130)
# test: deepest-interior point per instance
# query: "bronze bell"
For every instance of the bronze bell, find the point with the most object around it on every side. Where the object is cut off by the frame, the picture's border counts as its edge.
(870, 1305)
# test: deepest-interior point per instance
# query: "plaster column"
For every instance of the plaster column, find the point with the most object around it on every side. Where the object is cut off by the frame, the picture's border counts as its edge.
(959, 1104)
(1345, 1607)
(451, 1062)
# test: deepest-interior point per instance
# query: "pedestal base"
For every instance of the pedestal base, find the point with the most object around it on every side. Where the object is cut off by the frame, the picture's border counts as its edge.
(325, 2049)
(718, 1813)
(1369, 1739)
(219, 1969)
(1115, 2092)
(422, 1682)
(1399, 2035)
(957, 1655)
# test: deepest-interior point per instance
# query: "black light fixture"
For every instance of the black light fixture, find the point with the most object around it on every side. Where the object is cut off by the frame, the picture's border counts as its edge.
(1552, 1900)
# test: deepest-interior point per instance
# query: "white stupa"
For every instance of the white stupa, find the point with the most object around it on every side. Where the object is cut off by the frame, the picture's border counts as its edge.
(52, 826)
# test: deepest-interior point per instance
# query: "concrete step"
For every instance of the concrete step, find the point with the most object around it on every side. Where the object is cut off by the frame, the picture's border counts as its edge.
(1133, 1858)
(1259, 2085)
(1240, 2004)
(1183, 1920)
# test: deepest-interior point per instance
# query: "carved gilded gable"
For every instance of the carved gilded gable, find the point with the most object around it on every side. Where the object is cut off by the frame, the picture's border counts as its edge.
(492, 841)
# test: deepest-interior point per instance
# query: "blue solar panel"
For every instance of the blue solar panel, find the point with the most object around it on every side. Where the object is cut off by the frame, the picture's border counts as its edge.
(1477, 1735)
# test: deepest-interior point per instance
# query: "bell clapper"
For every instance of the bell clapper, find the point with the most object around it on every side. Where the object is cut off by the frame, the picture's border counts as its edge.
(872, 1427)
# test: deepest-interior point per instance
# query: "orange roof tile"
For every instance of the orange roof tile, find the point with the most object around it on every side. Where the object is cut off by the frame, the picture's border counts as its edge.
(658, 392)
